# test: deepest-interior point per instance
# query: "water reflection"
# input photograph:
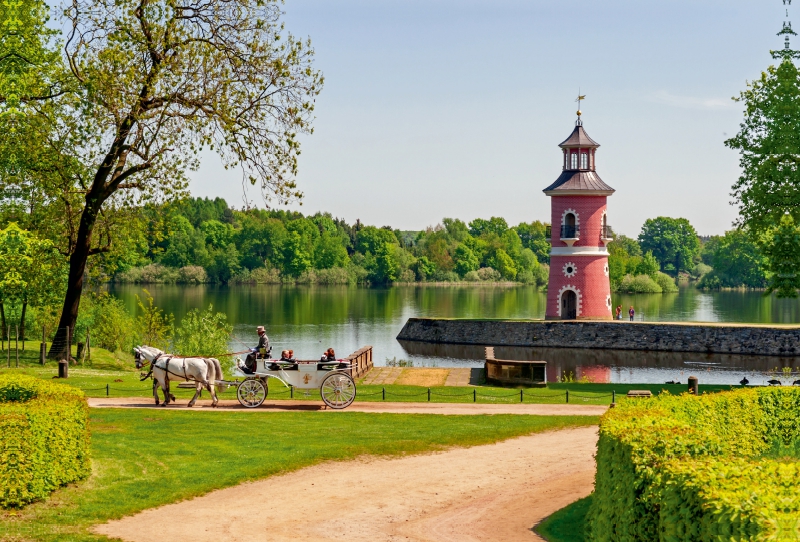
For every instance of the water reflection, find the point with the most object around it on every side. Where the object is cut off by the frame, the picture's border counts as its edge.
(310, 319)
(624, 366)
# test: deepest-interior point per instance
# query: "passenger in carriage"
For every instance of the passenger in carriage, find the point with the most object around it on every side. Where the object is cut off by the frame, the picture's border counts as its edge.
(329, 355)
(288, 355)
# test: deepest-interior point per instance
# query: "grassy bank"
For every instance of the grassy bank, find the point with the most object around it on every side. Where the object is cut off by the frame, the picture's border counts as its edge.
(142, 460)
(118, 378)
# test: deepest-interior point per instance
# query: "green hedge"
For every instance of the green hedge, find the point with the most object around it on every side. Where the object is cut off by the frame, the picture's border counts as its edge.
(44, 438)
(715, 467)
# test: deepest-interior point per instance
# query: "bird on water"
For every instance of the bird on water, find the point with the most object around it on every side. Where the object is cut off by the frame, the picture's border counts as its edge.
(744, 381)
(774, 382)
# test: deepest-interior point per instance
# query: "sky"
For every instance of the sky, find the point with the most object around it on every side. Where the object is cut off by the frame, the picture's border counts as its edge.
(455, 108)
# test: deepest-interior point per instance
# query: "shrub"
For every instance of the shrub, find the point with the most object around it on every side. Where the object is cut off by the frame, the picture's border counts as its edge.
(472, 276)
(710, 281)
(192, 274)
(445, 276)
(697, 468)
(700, 270)
(44, 438)
(112, 327)
(203, 334)
(666, 283)
(489, 274)
(640, 284)
(149, 274)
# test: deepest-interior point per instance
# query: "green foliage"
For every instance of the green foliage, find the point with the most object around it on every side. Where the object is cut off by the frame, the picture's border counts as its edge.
(112, 327)
(45, 438)
(736, 261)
(673, 242)
(504, 265)
(533, 236)
(648, 265)
(783, 253)
(495, 225)
(666, 283)
(465, 260)
(640, 284)
(689, 467)
(769, 145)
(154, 328)
(203, 334)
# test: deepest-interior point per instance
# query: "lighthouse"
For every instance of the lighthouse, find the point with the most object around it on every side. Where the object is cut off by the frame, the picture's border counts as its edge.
(578, 286)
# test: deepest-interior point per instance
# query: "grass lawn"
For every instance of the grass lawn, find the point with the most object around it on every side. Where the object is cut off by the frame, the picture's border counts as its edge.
(567, 524)
(114, 374)
(146, 459)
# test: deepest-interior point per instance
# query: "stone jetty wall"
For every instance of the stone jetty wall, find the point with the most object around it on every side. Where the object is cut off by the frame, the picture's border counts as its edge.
(748, 339)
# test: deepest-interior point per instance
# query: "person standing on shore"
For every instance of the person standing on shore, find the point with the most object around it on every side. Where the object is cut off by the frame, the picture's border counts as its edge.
(631, 313)
(619, 312)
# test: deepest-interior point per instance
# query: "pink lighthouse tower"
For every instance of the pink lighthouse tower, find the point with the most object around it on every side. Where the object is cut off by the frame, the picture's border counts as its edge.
(579, 288)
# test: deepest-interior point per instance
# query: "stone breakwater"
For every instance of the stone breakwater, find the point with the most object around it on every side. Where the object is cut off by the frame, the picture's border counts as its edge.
(759, 340)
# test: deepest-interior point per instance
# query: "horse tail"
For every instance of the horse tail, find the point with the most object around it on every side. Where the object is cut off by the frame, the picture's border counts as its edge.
(217, 368)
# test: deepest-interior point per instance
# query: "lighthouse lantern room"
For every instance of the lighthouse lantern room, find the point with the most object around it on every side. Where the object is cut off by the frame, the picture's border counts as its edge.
(579, 287)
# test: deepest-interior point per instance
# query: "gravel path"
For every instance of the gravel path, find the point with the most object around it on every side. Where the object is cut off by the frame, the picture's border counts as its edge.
(383, 407)
(492, 492)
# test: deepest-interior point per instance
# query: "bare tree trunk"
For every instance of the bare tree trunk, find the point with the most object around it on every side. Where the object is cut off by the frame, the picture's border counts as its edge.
(22, 324)
(59, 349)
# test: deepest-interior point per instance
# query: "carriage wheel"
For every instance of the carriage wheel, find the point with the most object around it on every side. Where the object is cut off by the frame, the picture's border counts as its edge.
(251, 393)
(338, 390)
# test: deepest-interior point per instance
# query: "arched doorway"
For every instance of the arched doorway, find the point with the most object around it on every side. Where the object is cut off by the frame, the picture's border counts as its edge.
(569, 305)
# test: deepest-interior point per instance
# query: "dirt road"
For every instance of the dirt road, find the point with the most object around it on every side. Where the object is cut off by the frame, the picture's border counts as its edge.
(492, 492)
(388, 407)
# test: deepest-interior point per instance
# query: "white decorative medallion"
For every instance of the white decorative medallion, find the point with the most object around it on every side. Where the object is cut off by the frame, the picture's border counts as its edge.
(570, 269)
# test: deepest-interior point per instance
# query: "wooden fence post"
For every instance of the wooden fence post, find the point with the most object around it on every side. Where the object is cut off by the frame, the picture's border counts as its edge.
(43, 346)
(69, 344)
(88, 344)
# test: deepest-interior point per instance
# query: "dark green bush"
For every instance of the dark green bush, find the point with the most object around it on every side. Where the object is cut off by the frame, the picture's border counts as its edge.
(695, 468)
(44, 438)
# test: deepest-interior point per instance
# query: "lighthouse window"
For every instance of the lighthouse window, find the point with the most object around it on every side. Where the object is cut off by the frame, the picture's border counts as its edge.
(584, 161)
(574, 164)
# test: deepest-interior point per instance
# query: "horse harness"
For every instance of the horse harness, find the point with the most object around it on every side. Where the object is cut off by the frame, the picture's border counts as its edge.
(166, 368)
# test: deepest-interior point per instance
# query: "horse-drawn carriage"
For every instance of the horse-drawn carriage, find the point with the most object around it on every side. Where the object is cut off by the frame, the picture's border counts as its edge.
(336, 386)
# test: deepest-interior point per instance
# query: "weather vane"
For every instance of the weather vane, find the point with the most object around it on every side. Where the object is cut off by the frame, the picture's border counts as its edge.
(580, 98)
(787, 53)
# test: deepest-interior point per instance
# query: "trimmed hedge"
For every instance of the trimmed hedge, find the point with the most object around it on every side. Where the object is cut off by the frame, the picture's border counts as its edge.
(708, 468)
(44, 438)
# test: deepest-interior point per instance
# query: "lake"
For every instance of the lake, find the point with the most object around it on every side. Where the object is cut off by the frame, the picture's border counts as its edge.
(309, 319)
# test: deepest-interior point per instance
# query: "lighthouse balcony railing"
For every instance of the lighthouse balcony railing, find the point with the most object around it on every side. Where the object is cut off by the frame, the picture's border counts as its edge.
(606, 233)
(570, 232)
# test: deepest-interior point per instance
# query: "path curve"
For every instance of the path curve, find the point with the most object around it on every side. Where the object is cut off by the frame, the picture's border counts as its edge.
(387, 407)
(491, 492)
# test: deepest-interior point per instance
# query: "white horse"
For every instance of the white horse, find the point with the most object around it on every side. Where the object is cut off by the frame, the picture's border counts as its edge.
(166, 367)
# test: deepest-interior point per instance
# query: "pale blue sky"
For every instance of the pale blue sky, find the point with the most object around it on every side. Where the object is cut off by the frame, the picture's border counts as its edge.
(435, 108)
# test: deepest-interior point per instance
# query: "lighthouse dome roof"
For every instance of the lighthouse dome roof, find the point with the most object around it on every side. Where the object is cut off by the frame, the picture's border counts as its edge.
(579, 138)
(578, 182)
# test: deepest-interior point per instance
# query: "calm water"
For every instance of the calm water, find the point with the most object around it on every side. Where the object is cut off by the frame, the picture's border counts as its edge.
(310, 319)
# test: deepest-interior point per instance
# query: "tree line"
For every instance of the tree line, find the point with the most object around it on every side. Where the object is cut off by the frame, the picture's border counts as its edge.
(201, 240)
(105, 112)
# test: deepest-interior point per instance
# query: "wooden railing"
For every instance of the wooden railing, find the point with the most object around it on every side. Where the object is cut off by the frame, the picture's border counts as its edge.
(361, 361)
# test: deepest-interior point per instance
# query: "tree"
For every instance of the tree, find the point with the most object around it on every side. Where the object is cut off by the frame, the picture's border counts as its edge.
(783, 251)
(153, 84)
(31, 273)
(736, 261)
(480, 226)
(673, 242)
(769, 145)
(534, 237)
(465, 260)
